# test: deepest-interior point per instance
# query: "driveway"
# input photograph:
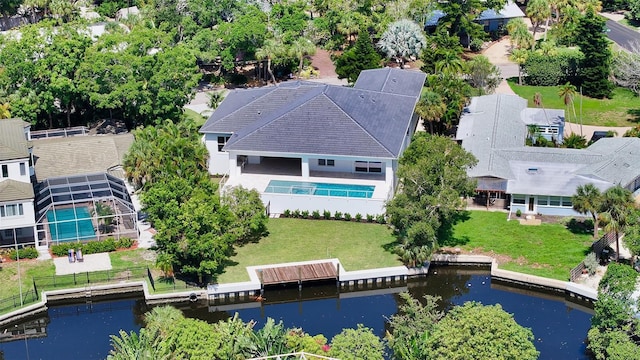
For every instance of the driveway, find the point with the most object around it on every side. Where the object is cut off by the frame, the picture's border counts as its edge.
(498, 54)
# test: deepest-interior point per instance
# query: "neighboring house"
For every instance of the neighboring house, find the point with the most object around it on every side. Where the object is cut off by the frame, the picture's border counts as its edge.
(17, 219)
(312, 146)
(489, 19)
(549, 123)
(71, 175)
(537, 180)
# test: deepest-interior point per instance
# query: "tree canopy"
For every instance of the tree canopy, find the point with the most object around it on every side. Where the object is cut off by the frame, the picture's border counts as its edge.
(433, 180)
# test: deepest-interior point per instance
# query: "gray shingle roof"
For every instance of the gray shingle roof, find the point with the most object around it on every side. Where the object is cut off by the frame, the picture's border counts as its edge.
(317, 118)
(12, 190)
(13, 144)
(542, 117)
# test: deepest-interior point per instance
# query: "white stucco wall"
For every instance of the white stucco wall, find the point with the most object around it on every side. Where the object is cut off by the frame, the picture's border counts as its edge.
(278, 203)
(13, 167)
(218, 161)
(27, 219)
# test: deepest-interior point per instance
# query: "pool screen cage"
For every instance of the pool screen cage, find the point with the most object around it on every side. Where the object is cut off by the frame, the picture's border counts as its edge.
(82, 208)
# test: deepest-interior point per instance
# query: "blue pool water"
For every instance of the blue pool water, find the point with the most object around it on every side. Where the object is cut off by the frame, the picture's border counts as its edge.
(70, 225)
(319, 189)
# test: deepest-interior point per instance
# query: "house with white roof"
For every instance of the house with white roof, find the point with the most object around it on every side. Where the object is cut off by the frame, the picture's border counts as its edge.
(17, 216)
(537, 180)
(313, 146)
(490, 19)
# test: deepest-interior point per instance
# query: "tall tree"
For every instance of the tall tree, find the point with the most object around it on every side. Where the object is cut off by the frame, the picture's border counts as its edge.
(299, 49)
(595, 67)
(271, 49)
(588, 200)
(460, 16)
(474, 331)
(361, 56)
(567, 93)
(617, 207)
(483, 75)
(539, 11)
(433, 180)
(519, 56)
(431, 108)
(403, 39)
(519, 34)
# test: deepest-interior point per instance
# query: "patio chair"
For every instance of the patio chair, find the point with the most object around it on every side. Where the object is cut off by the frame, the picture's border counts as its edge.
(79, 256)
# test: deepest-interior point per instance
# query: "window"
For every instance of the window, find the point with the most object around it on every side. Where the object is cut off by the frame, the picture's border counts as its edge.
(5, 171)
(554, 200)
(517, 199)
(566, 202)
(23, 169)
(11, 210)
(369, 166)
(543, 200)
(222, 141)
(326, 162)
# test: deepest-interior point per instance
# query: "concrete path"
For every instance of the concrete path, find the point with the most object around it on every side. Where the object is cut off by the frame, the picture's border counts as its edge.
(93, 262)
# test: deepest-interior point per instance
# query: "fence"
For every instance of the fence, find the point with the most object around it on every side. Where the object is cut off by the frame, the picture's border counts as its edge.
(597, 247)
(13, 302)
(95, 277)
(64, 132)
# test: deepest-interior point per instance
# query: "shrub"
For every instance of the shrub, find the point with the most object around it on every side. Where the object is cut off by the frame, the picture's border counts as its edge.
(296, 213)
(380, 219)
(124, 243)
(337, 215)
(476, 45)
(358, 217)
(370, 218)
(552, 70)
(63, 249)
(94, 247)
(24, 253)
(287, 213)
(347, 217)
(315, 214)
(518, 213)
(326, 214)
(591, 263)
(305, 214)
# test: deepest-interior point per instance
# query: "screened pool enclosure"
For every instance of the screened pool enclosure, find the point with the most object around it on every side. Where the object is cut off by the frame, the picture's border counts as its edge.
(84, 208)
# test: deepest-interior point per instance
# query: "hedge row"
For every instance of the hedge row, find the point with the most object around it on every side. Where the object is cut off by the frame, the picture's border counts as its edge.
(326, 215)
(24, 253)
(93, 247)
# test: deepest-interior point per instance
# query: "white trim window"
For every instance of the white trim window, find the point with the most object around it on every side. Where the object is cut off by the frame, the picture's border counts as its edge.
(11, 210)
(222, 141)
(555, 201)
(518, 199)
(368, 166)
(23, 169)
(326, 162)
(5, 170)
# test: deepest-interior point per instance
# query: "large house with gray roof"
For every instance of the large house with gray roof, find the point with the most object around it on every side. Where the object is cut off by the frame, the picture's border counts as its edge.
(17, 216)
(313, 146)
(537, 180)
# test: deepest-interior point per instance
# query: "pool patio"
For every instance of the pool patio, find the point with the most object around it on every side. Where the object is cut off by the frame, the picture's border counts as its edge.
(92, 262)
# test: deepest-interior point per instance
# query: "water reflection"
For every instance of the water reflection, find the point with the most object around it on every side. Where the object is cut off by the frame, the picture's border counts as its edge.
(82, 331)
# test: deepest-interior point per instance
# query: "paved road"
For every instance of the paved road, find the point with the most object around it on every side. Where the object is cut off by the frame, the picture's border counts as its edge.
(622, 35)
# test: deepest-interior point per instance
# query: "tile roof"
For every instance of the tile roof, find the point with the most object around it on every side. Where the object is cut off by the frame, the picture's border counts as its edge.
(13, 144)
(12, 190)
(370, 119)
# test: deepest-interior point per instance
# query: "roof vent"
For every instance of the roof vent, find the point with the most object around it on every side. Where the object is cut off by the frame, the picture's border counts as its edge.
(373, 101)
(394, 80)
(532, 170)
(361, 96)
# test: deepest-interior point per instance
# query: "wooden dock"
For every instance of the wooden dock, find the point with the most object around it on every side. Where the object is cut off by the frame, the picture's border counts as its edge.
(298, 273)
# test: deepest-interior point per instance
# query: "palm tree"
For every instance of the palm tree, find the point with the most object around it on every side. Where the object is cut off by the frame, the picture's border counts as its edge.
(449, 64)
(519, 56)
(618, 206)
(575, 141)
(161, 319)
(271, 49)
(588, 199)
(4, 111)
(301, 47)
(519, 34)
(129, 346)
(104, 216)
(538, 11)
(431, 108)
(348, 26)
(215, 98)
(567, 92)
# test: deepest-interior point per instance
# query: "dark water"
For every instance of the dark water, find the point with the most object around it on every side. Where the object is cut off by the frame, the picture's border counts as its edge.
(82, 331)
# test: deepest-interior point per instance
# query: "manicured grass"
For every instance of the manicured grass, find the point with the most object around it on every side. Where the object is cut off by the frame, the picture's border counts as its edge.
(197, 118)
(549, 250)
(623, 109)
(9, 284)
(358, 246)
(132, 258)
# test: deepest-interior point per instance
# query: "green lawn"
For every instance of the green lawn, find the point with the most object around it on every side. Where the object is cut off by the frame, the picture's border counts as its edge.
(622, 110)
(358, 246)
(548, 250)
(197, 118)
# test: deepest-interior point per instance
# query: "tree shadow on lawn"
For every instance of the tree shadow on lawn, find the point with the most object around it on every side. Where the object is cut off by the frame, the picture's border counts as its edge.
(636, 115)
(445, 233)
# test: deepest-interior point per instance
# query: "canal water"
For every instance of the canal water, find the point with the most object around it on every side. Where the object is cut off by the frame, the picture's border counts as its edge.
(81, 331)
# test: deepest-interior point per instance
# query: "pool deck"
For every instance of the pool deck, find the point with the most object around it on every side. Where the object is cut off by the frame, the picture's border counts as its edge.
(92, 262)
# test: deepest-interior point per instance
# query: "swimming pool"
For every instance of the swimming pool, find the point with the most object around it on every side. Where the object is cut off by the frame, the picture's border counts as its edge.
(319, 189)
(67, 225)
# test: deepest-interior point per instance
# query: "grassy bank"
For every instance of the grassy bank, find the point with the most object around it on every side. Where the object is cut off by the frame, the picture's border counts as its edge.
(623, 109)
(358, 246)
(548, 250)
